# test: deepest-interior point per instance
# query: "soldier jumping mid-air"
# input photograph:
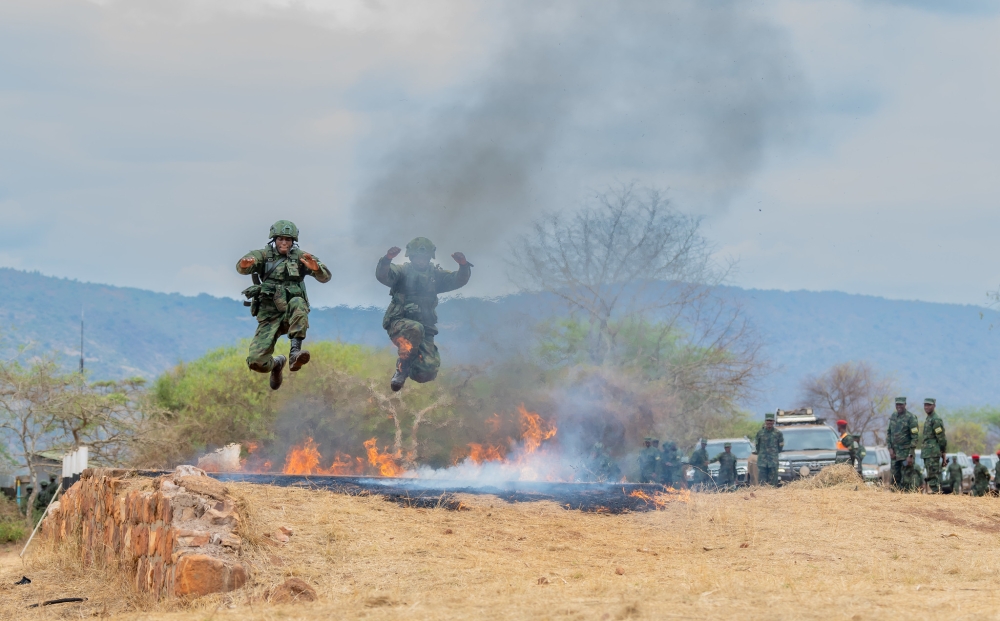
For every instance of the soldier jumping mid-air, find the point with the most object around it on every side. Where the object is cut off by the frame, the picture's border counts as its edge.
(278, 299)
(411, 318)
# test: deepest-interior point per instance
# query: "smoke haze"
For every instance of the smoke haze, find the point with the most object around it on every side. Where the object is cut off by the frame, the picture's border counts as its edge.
(685, 94)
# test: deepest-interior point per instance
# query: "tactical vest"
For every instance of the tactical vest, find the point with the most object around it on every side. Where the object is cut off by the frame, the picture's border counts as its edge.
(282, 277)
(414, 296)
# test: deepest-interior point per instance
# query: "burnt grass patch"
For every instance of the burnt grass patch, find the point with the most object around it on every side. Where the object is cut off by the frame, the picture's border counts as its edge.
(611, 498)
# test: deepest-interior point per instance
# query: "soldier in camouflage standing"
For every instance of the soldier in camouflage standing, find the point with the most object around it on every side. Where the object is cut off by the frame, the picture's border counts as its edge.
(955, 475)
(699, 463)
(902, 440)
(980, 478)
(727, 466)
(670, 465)
(602, 466)
(649, 462)
(933, 445)
(278, 299)
(411, 319)
(769, 442)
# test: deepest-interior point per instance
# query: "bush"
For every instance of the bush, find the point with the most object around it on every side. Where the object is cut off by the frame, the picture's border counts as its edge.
(11, 521)
(10, 532)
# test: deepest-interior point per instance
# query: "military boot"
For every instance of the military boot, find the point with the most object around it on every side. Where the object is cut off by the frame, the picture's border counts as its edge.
(297, 356)
(402, 372)
(277, 364)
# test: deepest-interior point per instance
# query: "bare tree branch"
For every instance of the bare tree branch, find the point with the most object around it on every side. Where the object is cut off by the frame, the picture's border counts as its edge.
(855, 392)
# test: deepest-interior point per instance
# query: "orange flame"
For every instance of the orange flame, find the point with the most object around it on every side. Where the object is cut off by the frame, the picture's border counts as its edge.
(480, 453)
(306, 458)
(405, 347)
(534, 430)
(662, 499)
(303, 459)
(385, 462)
(344, 464)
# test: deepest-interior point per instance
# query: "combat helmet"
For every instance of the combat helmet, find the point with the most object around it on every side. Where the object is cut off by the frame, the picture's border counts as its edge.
(418, 244)
(285, 228)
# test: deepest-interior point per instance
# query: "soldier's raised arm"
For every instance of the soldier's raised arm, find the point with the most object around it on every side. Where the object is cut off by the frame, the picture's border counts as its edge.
(315, 267)
(249, 262)
(449, 281)
(385, 272)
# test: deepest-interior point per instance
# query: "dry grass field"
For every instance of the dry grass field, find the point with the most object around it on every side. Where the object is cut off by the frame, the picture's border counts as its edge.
(801, 552)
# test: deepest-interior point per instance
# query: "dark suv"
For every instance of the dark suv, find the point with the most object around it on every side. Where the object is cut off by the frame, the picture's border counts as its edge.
(810, 445)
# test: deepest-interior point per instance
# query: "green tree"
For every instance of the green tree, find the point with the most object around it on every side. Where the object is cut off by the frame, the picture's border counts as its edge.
(967, 436)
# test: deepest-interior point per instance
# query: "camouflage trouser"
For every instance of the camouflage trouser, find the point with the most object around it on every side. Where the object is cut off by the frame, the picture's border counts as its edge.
(956, 486)
(932, 466)
(271, 324)
(902, 475)
(980, 490)
(411, 339)
(767, 475)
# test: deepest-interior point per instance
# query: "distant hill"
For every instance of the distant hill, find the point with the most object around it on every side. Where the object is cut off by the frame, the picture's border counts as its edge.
(941, 350)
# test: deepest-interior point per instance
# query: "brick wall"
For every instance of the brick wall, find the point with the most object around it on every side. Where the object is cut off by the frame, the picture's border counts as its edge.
(173, 536)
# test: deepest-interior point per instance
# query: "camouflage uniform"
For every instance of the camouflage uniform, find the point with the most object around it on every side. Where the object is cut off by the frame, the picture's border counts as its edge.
(699, 462)
(602, 466)
(411, 319)
(727, 467)
(769, 445)
(955, 476)
(670, 471)
(933, 444)
(902, 439)
(649, 463)
(980, 479)
(283, 303)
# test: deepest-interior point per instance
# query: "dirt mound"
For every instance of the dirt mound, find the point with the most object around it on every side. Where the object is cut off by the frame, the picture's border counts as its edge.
(837, 475)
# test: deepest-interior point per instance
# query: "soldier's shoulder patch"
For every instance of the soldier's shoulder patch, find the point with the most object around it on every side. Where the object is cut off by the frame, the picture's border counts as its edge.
(938, 430)
(914, 430)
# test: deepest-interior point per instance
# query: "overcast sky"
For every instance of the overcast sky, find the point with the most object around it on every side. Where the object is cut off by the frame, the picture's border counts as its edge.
(841, 145)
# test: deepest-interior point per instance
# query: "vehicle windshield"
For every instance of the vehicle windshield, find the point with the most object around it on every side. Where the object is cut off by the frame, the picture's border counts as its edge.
(871, 458)
(809, 438)
(740, 449)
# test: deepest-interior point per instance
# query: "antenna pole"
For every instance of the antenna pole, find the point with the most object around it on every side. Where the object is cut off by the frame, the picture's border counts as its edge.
(81, 341)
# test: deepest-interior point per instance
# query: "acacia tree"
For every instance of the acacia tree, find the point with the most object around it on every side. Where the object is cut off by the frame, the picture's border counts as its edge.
(31, 400)
(43, 408)
(855, 392)
(641, 285)
(114, 418)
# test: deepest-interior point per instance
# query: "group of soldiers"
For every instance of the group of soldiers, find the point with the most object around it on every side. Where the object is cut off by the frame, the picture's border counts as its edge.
(905, 436)
(666, 467)
(279, 301)
(663, 466)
